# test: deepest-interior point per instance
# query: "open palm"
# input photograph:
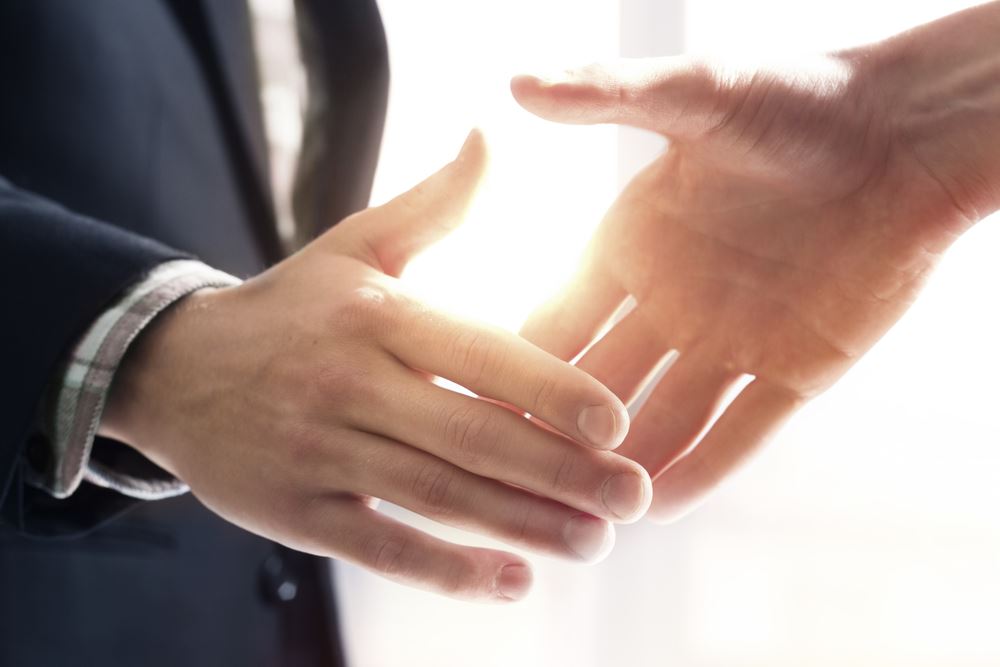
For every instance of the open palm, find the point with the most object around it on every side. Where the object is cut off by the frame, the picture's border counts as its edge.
(787, 226)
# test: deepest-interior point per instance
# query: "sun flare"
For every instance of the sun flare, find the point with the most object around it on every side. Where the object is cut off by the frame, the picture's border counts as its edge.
(541, 199)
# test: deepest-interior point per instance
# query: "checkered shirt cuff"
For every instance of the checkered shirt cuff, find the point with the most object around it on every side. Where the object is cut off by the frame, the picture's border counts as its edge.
(77, 396)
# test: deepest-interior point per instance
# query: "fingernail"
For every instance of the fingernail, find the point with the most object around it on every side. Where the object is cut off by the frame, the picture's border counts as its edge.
(600, 425)
(588, 537)
(514, 582)
(625, 495)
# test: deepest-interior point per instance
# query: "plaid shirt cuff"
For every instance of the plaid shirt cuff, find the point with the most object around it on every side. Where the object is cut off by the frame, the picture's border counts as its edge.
(73, 412)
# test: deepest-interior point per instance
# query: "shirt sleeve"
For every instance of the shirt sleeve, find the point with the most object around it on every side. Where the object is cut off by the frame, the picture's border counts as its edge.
(71, 413)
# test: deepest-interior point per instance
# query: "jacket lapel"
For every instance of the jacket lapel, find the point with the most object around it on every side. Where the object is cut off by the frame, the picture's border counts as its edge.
(347, 63)
(220, 34)
(229, 26)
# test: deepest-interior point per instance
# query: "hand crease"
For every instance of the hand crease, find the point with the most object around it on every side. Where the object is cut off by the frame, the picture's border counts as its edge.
(787, 308)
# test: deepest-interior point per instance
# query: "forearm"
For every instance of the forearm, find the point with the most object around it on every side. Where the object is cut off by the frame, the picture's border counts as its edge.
(942, 83)
(59, 271)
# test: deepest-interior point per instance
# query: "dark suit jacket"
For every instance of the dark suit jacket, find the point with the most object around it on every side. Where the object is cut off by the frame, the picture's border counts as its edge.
(131, 134)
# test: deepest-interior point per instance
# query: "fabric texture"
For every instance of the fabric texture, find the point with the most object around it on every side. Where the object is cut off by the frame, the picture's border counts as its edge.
(73, 413)
(130, 136)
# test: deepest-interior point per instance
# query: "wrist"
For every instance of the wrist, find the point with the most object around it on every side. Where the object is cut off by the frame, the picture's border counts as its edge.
(941, 88)
(151, 375)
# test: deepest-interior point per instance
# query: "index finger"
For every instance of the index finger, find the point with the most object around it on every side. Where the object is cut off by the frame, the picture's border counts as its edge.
(497, 364)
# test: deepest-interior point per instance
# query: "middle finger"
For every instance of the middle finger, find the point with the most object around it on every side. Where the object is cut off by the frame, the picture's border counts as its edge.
(492, 441)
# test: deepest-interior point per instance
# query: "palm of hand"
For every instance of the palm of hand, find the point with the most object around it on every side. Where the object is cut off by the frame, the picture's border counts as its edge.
(780, 243)
(789, 286)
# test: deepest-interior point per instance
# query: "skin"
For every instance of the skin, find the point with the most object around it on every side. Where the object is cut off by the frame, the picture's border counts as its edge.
(793, 218)
(291, 403)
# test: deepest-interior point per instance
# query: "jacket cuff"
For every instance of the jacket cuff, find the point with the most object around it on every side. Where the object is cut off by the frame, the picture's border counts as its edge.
(72, 413)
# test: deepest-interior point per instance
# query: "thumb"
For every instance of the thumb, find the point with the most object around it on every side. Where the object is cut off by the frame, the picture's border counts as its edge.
(390, 235)
(676, 96)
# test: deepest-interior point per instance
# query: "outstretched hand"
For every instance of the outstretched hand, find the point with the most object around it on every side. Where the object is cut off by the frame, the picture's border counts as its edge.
(790, 222)
(291, 403)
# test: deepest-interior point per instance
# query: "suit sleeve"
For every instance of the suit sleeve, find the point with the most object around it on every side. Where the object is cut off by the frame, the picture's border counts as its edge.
(58, 272)
(76, 397)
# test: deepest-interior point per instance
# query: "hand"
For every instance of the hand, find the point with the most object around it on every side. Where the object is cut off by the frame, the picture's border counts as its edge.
(790, 222)
(291, 402)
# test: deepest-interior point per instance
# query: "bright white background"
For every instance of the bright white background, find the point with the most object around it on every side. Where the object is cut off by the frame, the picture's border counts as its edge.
(868, 534)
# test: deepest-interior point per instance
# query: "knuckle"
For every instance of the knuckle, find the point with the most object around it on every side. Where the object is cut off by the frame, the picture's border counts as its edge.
(477, 355)
(545, 394)
(387, 555)
(522, 523)
(433, 486)
(708, 75)
(732, 94)
(564, 473)
(305, 445)
(460, 577)
(471, 433)
(341, 379)
(370, 307)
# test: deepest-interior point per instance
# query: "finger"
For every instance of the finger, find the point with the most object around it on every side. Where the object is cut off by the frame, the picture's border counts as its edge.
(566, 324)
(679, 409)
(362, 536)
(677, 96)
(441, 491)
(500, 365)
(387, 237)
(491, 441)
(745, 426)
(627, 356)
